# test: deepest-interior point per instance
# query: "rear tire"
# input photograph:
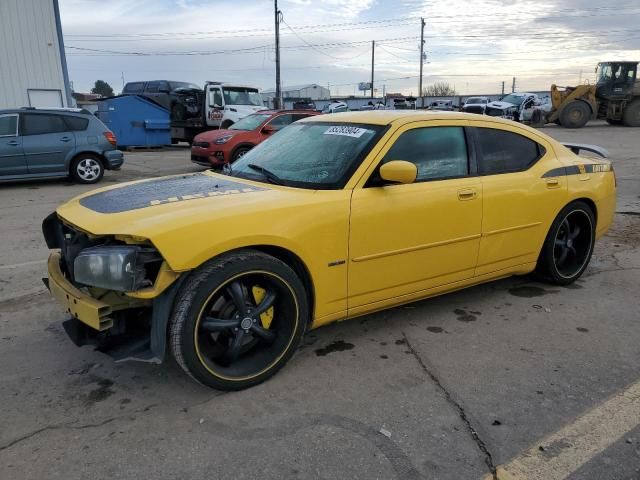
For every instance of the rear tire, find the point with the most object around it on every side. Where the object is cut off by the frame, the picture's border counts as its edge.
(569, 244)
(218, 331)
(631, 117)
(575, 115)
(87, 168)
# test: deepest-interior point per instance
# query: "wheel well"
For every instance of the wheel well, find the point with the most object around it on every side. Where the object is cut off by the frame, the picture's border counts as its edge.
(298, 266)
(87, 153)
(242, 145)
(591, 204)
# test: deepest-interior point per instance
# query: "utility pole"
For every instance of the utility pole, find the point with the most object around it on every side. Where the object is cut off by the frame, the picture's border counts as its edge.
(278, 99)
(503, 88)
(421, 60)
(373, 56)
(513, 85)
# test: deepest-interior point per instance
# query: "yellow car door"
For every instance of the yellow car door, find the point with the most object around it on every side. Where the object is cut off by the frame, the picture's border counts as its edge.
(406, 239)
(519, 201)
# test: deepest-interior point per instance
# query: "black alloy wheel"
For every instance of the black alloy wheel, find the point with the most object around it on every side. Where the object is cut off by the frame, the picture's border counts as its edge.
(242, 319)
(569, 245)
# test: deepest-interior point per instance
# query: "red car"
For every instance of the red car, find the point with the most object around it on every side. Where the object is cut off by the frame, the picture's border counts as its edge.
(217, 147)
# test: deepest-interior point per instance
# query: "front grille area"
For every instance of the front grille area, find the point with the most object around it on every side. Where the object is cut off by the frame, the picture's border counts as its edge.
(201, 144)
(200, 160)
(68, 240)
(494, 112)
(474, 109)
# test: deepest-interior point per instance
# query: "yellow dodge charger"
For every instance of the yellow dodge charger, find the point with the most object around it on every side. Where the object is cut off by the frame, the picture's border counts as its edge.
(335, 216)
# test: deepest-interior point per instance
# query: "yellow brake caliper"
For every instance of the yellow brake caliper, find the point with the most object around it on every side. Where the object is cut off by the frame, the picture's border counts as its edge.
(258, 295)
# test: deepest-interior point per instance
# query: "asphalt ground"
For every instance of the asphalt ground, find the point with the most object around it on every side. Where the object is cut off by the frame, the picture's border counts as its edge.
(538, 381)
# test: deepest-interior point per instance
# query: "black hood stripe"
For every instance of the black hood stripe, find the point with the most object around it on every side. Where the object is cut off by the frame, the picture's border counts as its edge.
(163, 190)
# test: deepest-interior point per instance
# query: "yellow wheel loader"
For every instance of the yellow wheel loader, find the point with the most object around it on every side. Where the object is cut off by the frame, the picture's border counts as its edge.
(615, 97)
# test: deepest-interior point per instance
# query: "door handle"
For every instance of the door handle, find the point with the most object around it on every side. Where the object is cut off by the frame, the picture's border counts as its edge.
(466, 194)
(13, 143)
(65, 139)
(553, 183)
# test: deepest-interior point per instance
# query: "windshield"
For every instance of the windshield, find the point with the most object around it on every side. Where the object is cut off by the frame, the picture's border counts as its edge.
(249, 123)
(175, 85)
(310, 155)
(475, 100)
(242, 96)
(513, 99)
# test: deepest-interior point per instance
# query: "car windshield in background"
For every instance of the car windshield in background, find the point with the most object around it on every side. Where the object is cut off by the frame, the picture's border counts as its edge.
(175, 85)
(249, 123)
(309, 155)
(474, 100)
(242, 96)
(513, 99)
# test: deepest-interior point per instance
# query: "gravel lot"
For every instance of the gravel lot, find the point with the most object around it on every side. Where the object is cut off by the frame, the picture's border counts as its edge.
(446, 388)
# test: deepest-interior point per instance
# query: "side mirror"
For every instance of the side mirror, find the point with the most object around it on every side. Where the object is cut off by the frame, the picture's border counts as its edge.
(399, 171)
(268, 130)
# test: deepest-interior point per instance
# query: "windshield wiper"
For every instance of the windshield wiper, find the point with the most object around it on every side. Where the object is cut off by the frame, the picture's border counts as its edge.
(270, 176)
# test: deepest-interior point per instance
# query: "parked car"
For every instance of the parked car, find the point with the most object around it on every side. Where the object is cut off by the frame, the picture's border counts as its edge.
(335, 106)
(216, 148)
(334, 217)
(520, 107)
(47, 143)
(304, 104)
(475, 105)
(444, 105)
(182, 99)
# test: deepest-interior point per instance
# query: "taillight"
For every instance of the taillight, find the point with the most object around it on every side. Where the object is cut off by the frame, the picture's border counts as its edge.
(111, 138)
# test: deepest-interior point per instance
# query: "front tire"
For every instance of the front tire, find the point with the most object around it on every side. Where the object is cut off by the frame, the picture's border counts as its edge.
(569, 244)
(575, 115)
(87, 169)
(238, 319)
(239, 153)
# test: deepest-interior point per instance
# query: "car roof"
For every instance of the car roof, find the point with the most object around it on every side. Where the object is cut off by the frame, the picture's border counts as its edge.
(388, 117)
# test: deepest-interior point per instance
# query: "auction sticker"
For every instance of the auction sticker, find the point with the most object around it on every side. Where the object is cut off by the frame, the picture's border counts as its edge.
(346, 131)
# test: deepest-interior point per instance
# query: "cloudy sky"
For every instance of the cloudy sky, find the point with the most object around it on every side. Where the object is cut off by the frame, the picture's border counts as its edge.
(474, 45)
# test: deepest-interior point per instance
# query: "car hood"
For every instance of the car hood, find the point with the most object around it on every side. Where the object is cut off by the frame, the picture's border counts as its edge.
(501, 105)
(212, 135)
(143, 208)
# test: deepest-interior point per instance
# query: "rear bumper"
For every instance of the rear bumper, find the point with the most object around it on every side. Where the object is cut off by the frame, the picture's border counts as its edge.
(114, 159)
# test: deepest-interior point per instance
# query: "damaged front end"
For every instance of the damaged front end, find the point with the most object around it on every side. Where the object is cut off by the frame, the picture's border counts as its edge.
(117, 291)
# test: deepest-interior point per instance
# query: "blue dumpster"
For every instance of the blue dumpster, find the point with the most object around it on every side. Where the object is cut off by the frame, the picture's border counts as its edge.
(136, 121)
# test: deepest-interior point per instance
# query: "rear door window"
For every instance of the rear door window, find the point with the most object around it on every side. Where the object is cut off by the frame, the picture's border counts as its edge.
(8, 125)
(40, 124)
(504, 152)
(76, 124)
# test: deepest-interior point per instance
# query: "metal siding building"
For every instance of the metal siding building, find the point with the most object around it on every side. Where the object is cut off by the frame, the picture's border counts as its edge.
(311, 90)
(33, 70)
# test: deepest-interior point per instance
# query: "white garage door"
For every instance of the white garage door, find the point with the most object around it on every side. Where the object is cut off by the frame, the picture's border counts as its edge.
(45, 98)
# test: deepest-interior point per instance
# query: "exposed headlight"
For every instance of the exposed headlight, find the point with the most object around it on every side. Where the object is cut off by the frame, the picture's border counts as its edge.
(120, 268)
(221, 140)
